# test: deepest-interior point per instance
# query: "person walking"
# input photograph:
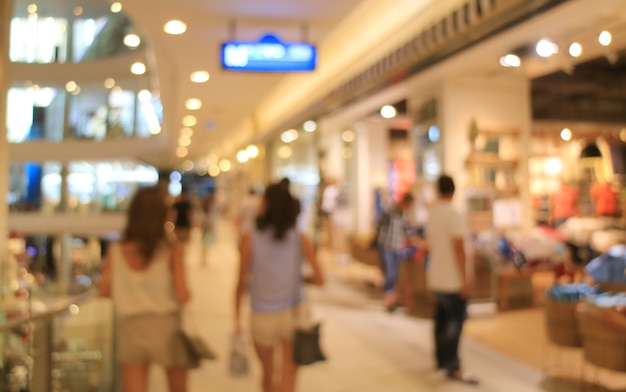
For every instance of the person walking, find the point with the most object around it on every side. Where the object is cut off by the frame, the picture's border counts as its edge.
(448, 278)
(144, 274)
(393, 236)
(183, 218)
(270, 272)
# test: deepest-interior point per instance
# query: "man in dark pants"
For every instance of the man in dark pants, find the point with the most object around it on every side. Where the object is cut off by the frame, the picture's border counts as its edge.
(448, 279)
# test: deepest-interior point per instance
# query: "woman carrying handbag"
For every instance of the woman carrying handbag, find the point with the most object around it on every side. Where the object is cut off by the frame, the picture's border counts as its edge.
(270, 262)
(144, 273)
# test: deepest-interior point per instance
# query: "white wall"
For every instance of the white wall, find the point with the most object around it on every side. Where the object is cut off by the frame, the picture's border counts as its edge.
(495, 103)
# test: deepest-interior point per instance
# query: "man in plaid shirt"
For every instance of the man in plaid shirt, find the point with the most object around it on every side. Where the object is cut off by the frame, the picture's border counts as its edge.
(393, 234)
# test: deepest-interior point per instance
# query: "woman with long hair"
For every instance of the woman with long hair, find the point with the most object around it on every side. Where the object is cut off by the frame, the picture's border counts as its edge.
(270, 272)
(144, 274)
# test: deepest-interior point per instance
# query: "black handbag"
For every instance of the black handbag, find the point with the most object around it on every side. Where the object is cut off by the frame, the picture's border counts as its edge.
(306, 346)
(306, 340)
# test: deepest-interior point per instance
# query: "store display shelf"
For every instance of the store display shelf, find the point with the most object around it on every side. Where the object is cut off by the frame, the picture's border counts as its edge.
(490, 159)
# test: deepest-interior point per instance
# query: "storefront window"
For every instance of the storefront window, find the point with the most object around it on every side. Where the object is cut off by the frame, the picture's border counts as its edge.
(84, 34)
(36, 39)
(34, 113)
(91, 186)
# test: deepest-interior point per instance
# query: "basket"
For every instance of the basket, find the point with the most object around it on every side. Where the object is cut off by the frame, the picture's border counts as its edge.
(562, 324)
(603, 346)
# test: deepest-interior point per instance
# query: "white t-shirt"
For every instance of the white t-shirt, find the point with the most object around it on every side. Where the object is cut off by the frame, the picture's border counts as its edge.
(248, 212)
(443, 225)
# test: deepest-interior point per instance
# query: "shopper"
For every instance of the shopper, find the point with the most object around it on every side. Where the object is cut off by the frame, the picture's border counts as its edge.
(145, 275)
(248, 212)
(393, 237)
(448, 279)
(183, 220)
(270, 272)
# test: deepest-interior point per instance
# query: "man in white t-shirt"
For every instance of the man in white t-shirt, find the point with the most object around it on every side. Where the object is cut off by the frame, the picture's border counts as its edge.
(447, 278)
(248, 211)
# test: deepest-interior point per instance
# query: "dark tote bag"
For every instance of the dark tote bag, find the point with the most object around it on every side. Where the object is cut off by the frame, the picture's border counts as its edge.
(306, 340)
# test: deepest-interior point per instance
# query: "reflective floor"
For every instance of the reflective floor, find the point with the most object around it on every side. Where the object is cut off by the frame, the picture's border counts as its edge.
(369, 350)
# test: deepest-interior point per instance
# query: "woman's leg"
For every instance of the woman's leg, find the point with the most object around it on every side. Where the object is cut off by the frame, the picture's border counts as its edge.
(176, 379)
(135, 377)
(289, 370)
(266, 356)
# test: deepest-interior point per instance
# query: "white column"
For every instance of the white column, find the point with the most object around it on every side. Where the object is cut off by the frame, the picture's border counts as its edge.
(372, 161)
(6, 13)
(495, 104)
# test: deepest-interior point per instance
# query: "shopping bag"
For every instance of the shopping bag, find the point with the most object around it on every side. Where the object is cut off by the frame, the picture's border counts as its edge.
(306, 345)
(239, 362)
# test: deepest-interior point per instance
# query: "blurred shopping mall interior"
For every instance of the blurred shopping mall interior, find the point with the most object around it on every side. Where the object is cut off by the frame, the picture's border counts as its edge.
(522, 102)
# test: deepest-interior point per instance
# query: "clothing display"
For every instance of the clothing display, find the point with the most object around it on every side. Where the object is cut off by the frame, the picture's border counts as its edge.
(565, 203)
(609, 266)
(605, 200)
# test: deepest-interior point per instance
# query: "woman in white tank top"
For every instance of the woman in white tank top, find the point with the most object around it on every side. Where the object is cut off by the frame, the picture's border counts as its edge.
(144, 274)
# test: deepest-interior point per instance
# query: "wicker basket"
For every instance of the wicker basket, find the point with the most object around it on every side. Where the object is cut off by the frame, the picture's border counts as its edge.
(603, 346)
(561, 323)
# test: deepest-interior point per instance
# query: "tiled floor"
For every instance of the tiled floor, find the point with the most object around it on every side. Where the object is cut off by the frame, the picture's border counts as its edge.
(369, 350)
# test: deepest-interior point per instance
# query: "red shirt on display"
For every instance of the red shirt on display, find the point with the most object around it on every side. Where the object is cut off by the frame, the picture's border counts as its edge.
(565, 203)
(605, 198)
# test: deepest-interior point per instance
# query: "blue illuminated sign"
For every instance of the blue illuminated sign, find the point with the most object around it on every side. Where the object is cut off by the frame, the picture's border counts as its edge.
(268, 54)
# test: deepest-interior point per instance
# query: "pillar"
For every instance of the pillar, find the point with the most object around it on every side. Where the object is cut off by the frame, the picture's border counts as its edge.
(500, 106)
(6, 13)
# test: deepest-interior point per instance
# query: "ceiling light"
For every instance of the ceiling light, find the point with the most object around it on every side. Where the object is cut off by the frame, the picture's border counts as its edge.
(32, 8)
(347, 136)
(76, 91)
(605, 38)
(132, 40)
(187, 132)
(193, 104)
(575, 49)
(225, 165)
(388, 111)
(546, 48)
(184, 141)
(181, 152)
(116, 7)
(309, 126)
(175, 27)
(284, 152)
(242, 156)
(566, 134)
(252, 151)
(214, 170)
(78, 11)
(190, 121)
(289, 136)
(71, 86)
(188, 165)
(622, 134)
(144, 95)
(510, 61)
(138, 68)
(200, 77)
(109, 83)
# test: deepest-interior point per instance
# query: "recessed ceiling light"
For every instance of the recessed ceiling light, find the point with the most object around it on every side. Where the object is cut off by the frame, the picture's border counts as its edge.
(200, 77)
(566, 134)
(188, 165)
(188, 132)
(242, 156)
(116, 7)
(144, 95)
(214, 170)
(193, 104)
(132, 40)
(71, 86)
(190, 121)
(388, 111)
(32, 8)
(76, 91)
(284, 152)
(575, 49)
(510, 61)
(253, 151)
(117, 89)
(184, 141)
(309, 126)
(225, 165)
(605, 38)
(181, 152)
(78, 11)
(348, 136)
(109, 83)
(138, 68)
(175, 27)
(546, 48)
(289, 136)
